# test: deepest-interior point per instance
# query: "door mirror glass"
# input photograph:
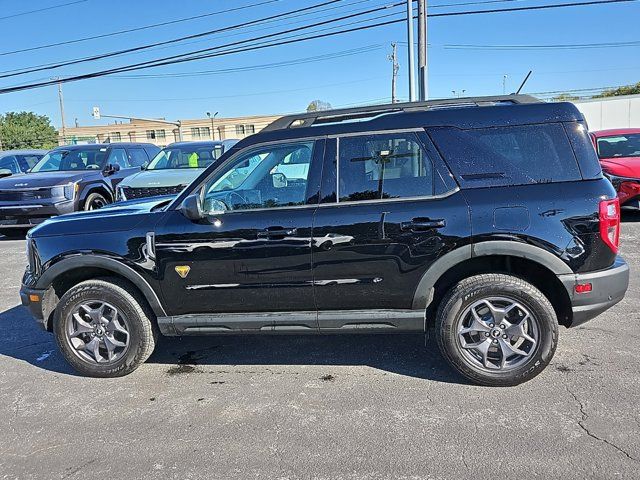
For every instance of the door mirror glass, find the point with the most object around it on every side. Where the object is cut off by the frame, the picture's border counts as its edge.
(213, 206)
(5, 172)
(279, 180)
(191, 207)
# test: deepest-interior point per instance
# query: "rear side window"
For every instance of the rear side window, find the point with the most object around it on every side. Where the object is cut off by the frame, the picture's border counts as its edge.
(500, 156)
(137, 157)
(374, 167)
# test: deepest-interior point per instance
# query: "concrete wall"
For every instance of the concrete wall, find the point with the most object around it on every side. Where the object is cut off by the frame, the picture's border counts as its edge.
(615, 112)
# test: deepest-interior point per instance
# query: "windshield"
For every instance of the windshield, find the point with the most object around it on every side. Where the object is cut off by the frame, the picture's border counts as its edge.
(186, 157)
(69, 160)
(619, 146)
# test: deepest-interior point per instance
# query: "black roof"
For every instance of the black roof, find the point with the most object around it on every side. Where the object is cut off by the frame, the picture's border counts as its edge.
(472, 112)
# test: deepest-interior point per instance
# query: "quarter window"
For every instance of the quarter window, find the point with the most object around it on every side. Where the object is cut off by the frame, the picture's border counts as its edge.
(500, 156)
(385, 166)
(268, 177)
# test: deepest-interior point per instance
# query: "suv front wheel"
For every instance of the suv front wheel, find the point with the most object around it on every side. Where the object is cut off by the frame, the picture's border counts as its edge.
(102, 329)
(497, 330)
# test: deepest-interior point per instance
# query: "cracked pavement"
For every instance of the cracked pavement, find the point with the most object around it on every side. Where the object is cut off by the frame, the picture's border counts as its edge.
(356, 407)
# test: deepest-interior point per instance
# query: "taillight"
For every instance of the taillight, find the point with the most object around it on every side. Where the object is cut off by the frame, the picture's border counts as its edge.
(610, 223)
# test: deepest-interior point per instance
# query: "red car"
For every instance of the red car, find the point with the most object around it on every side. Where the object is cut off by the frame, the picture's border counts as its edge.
(619, 153)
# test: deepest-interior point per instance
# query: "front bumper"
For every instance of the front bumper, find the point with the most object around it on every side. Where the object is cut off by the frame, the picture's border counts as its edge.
(608, 288)
(27, 215)
(33, 299)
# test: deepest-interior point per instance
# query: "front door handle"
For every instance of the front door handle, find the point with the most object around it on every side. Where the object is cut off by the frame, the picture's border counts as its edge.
(422, 224)
(277, 232)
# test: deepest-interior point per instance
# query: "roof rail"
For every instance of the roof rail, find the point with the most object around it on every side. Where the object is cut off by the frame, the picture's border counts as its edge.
(345, 114)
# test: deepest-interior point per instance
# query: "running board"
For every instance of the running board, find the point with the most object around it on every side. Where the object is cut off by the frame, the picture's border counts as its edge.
(333, 321)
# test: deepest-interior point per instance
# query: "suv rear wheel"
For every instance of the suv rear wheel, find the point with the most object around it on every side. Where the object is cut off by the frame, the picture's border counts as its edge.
(102, 329)
(496, 329)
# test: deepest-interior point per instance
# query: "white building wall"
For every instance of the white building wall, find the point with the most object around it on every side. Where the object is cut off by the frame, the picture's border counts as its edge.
(615, 112)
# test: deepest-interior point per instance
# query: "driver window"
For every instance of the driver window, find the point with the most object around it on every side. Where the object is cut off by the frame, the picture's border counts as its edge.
(118, 156)
(274, 176)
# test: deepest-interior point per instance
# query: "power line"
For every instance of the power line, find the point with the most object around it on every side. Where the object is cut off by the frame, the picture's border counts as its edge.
(137, 29)
(42, 9)
(211, 32)
(102, 56)
(191, 56)
(174, 61)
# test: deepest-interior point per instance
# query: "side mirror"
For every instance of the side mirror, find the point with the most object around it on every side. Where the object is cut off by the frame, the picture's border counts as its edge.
(5, 172)
(111, 168)
(192, 208)
(279, 180)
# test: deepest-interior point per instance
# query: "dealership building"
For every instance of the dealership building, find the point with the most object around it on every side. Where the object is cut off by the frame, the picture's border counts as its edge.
(601, 113)
(162, 134)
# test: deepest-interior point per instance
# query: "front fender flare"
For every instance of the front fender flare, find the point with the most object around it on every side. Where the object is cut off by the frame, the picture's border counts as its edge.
(107, 263)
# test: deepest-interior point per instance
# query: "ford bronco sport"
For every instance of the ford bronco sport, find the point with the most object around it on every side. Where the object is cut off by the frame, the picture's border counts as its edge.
(486, 219)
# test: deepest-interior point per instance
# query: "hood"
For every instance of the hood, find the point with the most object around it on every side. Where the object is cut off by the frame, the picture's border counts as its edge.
(622, 166)
(114, 218)
(42, 179)
(162, 178)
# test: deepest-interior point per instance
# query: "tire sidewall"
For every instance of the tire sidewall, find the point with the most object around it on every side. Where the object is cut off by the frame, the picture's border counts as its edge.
(86, 293)
(520, 292)
(92, 197)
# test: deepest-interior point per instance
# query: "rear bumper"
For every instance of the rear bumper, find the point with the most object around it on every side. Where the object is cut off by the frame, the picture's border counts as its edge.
(27, 215)
(608, 288)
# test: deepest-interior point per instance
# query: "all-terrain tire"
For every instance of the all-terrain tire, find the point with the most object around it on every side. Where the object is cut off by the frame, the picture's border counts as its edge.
(129, 303)
(472, 289)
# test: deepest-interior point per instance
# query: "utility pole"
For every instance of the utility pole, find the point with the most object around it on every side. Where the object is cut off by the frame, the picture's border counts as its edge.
(395, 67)
(423, 86)
(61, 100)
(410, 52)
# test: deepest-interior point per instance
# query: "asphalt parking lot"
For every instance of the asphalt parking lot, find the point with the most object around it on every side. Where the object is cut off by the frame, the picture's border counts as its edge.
(359, 407)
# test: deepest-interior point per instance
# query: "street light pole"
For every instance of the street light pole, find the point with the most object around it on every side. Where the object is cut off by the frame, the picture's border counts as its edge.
(394, 71)
(410, 52)
(211, 117)
(423, 86)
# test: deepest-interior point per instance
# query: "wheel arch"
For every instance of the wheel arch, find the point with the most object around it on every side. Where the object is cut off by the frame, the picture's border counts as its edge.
(66, 273)
(100, 188)
(531, 263)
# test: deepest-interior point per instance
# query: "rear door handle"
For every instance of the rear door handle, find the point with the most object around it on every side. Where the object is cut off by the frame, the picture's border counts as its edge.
(277, 232)
(422, 224)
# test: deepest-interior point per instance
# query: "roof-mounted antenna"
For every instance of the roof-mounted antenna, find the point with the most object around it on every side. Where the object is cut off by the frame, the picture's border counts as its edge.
(524, 81)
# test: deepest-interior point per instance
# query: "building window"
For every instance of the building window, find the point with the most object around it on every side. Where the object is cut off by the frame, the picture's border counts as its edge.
(250, 129)
(198, 133)
(239, 129)
(156, 135)
(115, 137)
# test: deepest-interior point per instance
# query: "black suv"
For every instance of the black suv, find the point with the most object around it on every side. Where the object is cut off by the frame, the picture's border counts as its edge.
(68, 179)
(486, 219)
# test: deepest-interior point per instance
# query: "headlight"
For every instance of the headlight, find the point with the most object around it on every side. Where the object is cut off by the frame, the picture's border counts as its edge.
(120, 196)
(67, 191)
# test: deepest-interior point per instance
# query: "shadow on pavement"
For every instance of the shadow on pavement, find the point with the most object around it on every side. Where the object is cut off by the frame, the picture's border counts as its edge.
(21, 338)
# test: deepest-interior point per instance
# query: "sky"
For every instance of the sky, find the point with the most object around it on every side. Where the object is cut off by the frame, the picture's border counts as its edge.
(467, 53)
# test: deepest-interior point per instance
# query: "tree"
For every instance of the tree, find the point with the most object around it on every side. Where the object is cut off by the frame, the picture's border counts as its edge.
(615, 92)
(565, 97)
(318, 105)
(26, 130)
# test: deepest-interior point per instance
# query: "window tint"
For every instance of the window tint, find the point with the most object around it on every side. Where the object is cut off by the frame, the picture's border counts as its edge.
(268, 177)
(63, 160)
(374, 167)
(137, 157)
(28, 161)
(9, 163)
(499, 156)
(118, 156)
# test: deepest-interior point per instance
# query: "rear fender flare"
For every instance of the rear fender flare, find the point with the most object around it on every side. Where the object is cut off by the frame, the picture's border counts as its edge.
(423, 295)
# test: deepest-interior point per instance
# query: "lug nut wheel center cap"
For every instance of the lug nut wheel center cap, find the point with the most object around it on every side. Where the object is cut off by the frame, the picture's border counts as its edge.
(496, 333)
